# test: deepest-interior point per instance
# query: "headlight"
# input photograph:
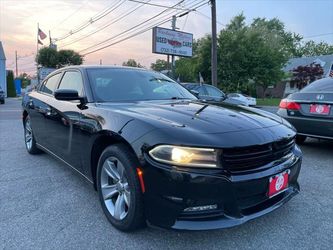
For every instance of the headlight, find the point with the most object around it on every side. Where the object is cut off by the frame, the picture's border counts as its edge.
(185, 156)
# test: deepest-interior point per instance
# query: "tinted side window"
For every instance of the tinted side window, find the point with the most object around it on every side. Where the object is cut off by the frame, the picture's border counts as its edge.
(322, 85)
(72, 80)
(196, 87)
(213, 91)
(51, 84)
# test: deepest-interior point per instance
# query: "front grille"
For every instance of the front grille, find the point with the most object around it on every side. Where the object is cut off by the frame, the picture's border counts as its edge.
(247, 158)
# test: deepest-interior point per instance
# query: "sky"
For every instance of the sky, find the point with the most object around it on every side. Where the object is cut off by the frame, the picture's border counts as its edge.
(313, 19)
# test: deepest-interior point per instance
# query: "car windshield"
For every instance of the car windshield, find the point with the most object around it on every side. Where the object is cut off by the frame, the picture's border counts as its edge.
(122, 84)
(322, 85)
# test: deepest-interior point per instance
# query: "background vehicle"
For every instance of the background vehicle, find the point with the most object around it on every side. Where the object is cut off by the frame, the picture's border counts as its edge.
(2, 96)
(211, 94)
(156, 153)
(310, 110)
(250, 101)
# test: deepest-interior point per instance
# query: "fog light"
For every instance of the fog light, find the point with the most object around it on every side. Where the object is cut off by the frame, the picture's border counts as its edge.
(200, 208)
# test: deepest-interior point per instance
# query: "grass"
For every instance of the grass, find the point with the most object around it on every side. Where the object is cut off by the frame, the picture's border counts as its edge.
(268, 101)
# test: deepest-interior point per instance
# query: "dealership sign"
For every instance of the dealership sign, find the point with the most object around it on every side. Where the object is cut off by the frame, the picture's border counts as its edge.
(171, 42)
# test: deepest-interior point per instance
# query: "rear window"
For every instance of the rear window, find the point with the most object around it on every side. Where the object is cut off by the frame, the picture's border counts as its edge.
(322, 85)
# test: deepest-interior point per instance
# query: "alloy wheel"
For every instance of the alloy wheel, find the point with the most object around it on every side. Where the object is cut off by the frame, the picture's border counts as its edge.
(115, 189)
(28, 134)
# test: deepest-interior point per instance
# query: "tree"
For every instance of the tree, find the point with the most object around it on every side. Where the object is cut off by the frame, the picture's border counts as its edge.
(159, 65)
(132, 63)
(254, 53)
(303, 75)
(310, 48)
(186, 69)
(47, 57)
(51, 58)
(25, 80)
(11, 91)
(69, 57)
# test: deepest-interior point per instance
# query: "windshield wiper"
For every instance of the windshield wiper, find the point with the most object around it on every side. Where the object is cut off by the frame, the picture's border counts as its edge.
(177, 98)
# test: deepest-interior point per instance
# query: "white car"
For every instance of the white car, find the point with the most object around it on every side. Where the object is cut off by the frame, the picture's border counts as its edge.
(250, 101)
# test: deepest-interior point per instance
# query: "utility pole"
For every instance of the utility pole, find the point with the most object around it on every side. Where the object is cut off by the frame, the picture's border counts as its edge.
(16, 63)
(173, 25)
(50, 38)
(214, 44)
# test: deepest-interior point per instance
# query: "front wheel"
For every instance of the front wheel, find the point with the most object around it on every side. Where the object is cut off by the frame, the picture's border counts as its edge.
(29, 139)
(119, 188)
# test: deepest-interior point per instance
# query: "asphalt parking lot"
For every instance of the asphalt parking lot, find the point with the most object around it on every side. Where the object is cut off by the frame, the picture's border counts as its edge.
(45, 205)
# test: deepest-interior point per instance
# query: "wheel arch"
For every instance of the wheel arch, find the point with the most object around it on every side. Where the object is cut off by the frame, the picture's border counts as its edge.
(24, 115)
(102, 140)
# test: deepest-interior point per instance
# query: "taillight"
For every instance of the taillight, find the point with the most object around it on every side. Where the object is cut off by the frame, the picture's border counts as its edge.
(290, 105)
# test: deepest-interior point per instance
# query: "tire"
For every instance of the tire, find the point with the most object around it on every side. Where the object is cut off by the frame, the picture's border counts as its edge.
(3, 102)
(29, 139)
(119, 188)
(300, 139)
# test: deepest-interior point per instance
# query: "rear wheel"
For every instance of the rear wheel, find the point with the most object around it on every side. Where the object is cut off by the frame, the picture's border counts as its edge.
(29, 139)
(119, 189)
(300, 139)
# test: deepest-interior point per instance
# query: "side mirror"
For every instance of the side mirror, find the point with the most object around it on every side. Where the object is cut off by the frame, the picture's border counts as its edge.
(70, 95)
(194, 92)
(66, 95)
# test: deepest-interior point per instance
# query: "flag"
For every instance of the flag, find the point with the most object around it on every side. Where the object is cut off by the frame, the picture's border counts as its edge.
(330, 73)
(39, 42)
(201, 79)
(41, 34)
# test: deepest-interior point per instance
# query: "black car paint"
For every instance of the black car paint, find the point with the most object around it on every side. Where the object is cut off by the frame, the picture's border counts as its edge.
(71, 134)
(2, 96)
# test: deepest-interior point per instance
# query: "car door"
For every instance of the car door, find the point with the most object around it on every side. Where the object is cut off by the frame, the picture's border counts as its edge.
(39, 109)
(64, 122)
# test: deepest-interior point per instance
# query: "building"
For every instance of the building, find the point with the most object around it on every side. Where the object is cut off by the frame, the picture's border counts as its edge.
(284, 88)
(3, 74)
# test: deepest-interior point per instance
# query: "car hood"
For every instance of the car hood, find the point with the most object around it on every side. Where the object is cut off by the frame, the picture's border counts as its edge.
(198, 116)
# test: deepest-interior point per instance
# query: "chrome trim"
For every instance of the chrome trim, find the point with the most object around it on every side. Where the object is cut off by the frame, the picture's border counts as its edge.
(311, 101)
(59, 158)
(316, 136)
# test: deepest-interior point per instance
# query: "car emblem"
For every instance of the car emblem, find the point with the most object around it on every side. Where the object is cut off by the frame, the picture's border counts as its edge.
(279, 183)
(320, 97)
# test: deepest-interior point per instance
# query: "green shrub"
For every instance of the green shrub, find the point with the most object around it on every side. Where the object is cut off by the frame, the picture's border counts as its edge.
(11, 92)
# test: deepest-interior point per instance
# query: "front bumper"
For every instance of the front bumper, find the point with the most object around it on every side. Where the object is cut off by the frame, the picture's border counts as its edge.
(235, 198)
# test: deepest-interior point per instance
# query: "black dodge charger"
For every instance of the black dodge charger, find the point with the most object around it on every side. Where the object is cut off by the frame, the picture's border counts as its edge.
(156, 154)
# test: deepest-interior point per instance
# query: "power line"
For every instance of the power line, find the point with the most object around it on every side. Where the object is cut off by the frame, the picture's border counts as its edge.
(185, 22)
(204, 15)
(318, 35)
(138, 33)
(158, 5)
(92, 20)
(134, 27)
(70, 15)
(123, 15)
